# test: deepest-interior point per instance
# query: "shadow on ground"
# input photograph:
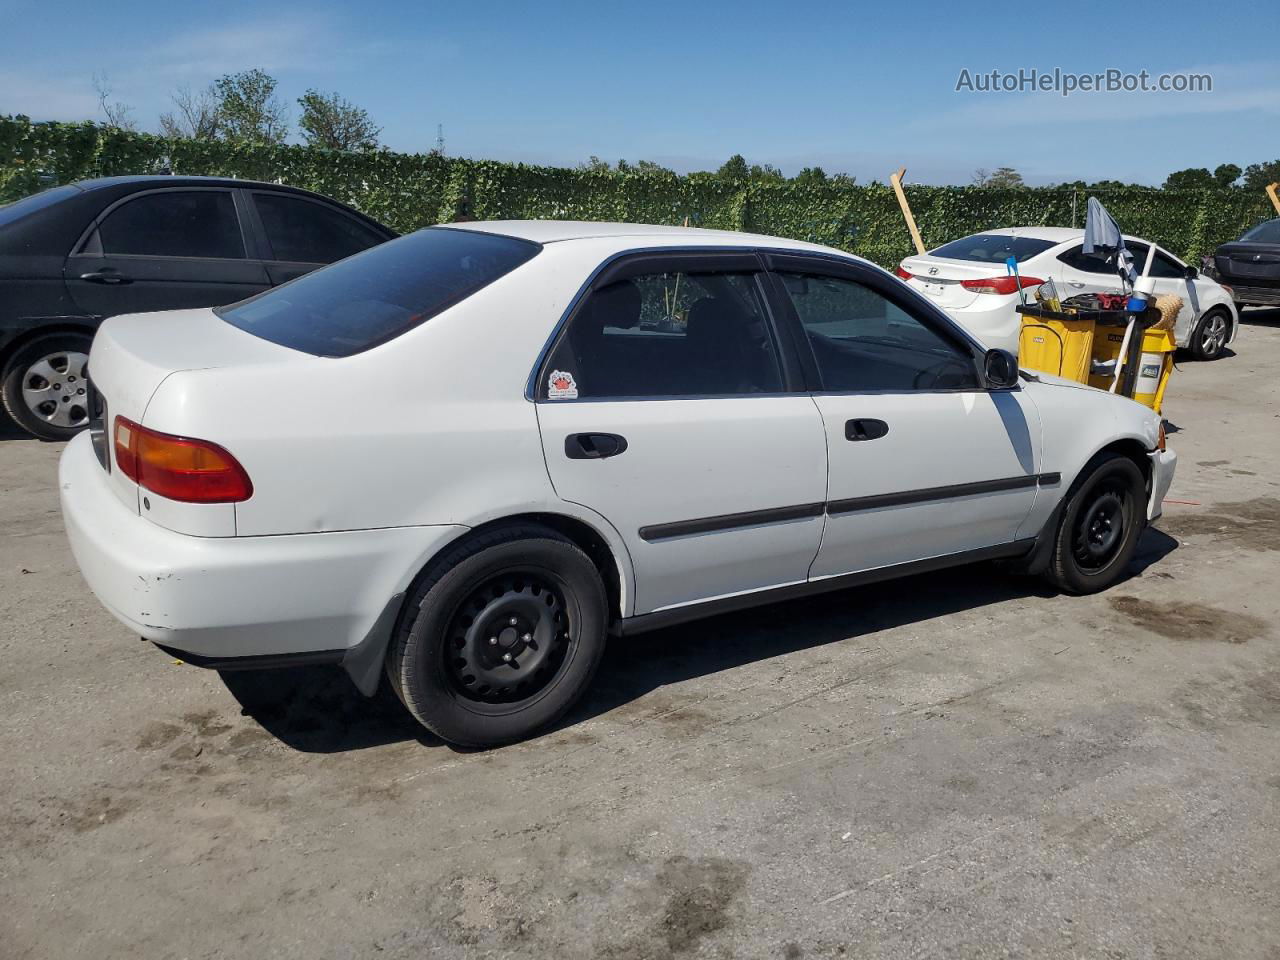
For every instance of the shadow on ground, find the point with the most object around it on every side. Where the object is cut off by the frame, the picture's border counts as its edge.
(318, 710)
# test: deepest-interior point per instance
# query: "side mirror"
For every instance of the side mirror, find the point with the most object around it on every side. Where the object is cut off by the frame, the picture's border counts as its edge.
(1000, 370)
(1190, 273)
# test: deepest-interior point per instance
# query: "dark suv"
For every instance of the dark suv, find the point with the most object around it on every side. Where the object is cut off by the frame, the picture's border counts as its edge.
(1250, 266)
(74, 255)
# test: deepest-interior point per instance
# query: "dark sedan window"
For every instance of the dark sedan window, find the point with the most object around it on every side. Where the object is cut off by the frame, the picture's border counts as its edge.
(175, 223)
(13, 212)
(1268, 232)
(377, 295)
(301, 231)
(992, 248)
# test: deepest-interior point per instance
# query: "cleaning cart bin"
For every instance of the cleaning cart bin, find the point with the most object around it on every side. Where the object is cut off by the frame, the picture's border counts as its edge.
(1154, 368)
(1056, 346)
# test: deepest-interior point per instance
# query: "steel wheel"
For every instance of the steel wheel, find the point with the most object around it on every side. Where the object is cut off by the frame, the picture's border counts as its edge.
(54, 389)
(1100, 527)
(508, 640)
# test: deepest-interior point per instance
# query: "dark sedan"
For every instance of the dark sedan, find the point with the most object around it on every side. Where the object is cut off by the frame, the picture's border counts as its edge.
(74, 255)
(1250, 266)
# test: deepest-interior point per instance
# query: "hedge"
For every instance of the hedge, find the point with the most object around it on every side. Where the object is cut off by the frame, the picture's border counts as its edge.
(408, 191)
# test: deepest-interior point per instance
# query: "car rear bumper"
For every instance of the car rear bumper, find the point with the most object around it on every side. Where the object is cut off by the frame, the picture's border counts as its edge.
(1163, 465)
(1262, 296)
(217, 599)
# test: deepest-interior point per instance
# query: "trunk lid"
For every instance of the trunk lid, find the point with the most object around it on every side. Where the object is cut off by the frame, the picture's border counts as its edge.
(940, 279)
(1243, 260)
(133, 354)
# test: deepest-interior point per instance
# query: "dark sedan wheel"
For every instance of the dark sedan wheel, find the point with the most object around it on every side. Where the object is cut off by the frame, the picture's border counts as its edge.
(1210, 335)
(1098, 530)
(501, 636)
(45, 386)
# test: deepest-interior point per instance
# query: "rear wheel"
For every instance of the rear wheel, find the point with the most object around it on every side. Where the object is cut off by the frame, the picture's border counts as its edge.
(1098, 530)
(44, 385)
(501, 636)
(1210, 335)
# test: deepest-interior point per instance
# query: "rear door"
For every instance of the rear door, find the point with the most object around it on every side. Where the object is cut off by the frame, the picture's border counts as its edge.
(668, 407)
(924, 462)
(164, 249)
(302, 233)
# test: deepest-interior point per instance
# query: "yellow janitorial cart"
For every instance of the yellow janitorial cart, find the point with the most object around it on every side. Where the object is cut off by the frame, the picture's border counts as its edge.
(1111, 349)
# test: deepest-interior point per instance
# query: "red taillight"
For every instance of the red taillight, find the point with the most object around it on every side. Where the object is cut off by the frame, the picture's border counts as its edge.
(903, 274)
(1000, 284)
(180, 468)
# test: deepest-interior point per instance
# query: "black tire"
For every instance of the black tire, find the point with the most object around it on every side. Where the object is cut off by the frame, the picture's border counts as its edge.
(68, 401)
(461, 665)
(1210, 335)
(1099, 527)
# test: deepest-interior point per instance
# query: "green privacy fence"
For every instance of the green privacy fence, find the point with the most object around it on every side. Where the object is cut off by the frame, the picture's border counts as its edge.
(407, 191)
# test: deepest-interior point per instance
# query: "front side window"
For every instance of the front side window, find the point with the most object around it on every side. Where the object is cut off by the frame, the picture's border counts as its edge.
(175, 223)
(862, 341)
(368, 299)
(302, 231)
(666, 335)
(1162, 266)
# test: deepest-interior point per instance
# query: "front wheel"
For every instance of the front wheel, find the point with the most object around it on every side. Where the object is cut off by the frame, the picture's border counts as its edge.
(44, 386)
(1210, 336)
(500, 637)
(1098, 531)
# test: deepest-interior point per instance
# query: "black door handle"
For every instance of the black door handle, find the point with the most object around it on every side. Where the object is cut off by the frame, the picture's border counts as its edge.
(106, 276)
(865, 429)
(593, 446)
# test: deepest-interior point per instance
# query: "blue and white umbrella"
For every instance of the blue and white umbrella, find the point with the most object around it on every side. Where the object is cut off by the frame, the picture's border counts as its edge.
(1102, 237)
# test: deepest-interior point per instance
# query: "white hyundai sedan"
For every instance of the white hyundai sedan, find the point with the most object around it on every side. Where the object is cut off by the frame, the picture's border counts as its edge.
(466, 457)
(969, 279)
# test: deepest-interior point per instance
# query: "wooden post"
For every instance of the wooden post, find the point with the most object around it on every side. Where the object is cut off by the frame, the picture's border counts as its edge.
(896, 181)
(1271, 192)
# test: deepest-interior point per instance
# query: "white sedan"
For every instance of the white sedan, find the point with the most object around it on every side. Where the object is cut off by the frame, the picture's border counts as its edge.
(467, 456)
(968, 278)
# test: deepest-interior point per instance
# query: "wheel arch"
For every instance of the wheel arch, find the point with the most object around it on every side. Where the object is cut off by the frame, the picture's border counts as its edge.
(11, 347)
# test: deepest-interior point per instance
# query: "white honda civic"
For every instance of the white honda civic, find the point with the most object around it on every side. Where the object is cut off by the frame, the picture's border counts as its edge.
(968, 278)
(466, 457)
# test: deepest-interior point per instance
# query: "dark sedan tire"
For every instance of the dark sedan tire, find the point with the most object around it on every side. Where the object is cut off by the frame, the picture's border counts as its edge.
(44, 388)
(500, 637)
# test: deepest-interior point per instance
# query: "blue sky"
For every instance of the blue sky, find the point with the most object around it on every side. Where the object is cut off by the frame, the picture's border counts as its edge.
(852, 88)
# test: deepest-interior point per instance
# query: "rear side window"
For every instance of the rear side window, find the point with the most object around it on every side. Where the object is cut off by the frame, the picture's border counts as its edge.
(15, 211)
(175, 223)
(666, 335)
(992, 248)
(371, 298)
(303, 231)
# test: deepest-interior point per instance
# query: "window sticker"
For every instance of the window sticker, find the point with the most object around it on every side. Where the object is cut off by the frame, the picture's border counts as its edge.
(561, 386)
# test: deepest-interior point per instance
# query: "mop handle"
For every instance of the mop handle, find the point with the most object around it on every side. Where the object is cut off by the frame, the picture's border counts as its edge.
(1124, 352)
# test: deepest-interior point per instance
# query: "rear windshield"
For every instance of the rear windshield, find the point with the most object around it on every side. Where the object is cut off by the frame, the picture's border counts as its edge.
(377, 295)
(13, 212)
(992, 248)
(1268, 232)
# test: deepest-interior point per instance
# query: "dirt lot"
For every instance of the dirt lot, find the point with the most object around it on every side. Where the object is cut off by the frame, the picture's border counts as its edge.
(955, 765)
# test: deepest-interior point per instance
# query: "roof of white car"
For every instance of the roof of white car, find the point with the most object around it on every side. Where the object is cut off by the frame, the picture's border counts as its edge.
(553, 231)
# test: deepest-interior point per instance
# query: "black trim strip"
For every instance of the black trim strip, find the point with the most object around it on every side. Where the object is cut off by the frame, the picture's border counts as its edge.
(836, 507)
(709, 608)
(730, 521)
(269, 661)
(754, 518)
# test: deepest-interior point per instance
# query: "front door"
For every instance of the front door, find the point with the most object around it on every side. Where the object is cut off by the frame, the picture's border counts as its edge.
(164, 250)
(924, 462)
(664, 407)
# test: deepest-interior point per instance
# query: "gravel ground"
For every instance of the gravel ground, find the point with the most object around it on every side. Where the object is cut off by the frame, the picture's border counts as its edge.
(957, 765)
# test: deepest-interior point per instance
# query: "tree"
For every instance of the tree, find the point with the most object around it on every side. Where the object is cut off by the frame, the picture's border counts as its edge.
(336, 123)
(1193, 178)
(1226, 174)
(811, 176)
(119, 115)
(735, 168)
(1257, 176)
(248, 110)
(1002, 178)
(196, 117)
(596, 165)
